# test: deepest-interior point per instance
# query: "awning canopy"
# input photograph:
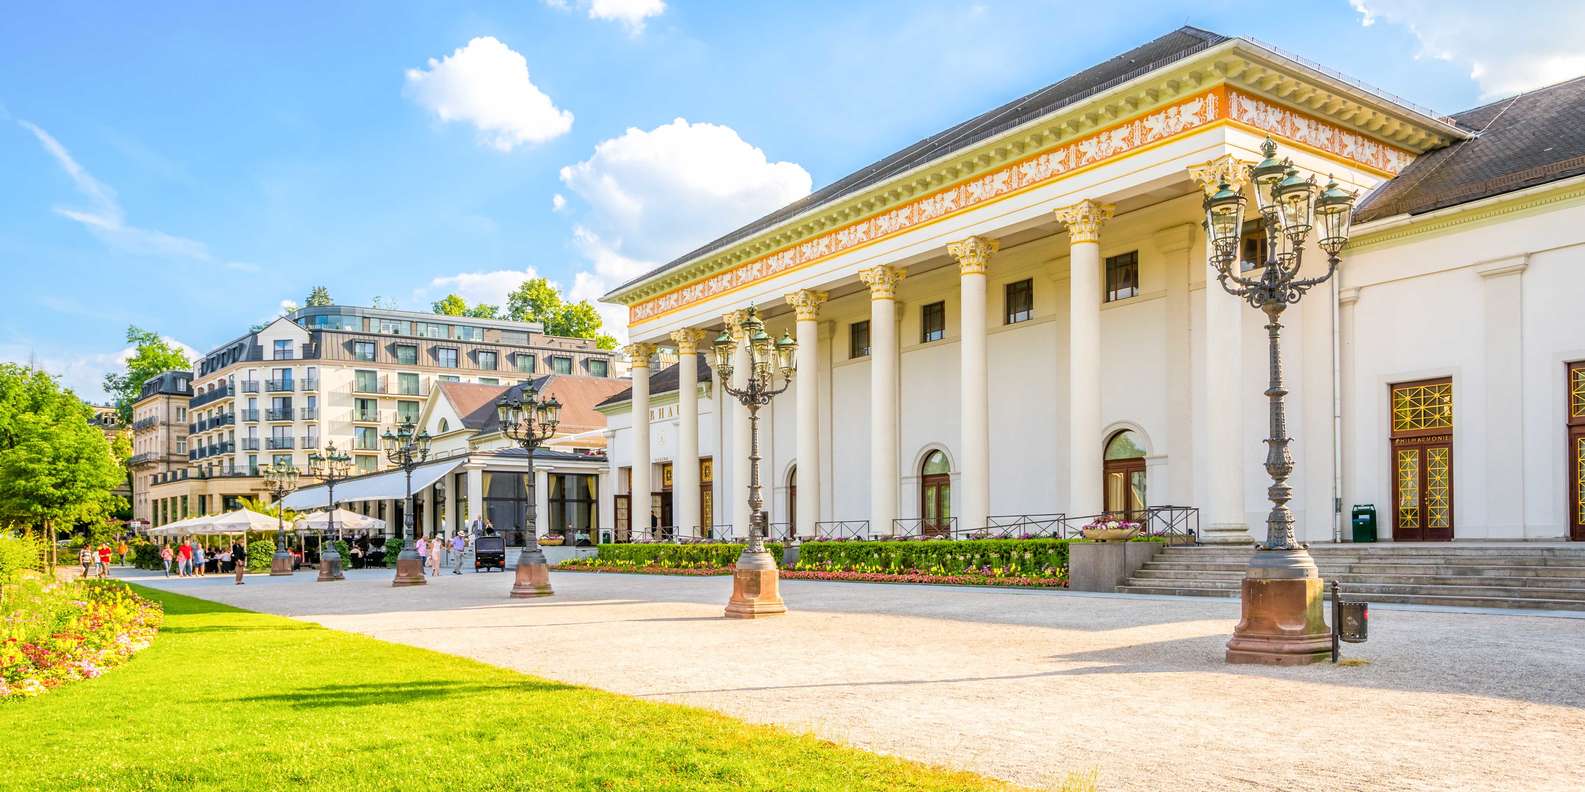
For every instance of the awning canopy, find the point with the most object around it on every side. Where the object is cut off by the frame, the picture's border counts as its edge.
(389, 485)
(346, 521)
(233, 522)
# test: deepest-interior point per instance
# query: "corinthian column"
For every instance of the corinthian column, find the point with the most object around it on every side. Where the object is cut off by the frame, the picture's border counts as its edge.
(974, 260)
(883, 281)
(685, 466)
(807, 305)
(737, 494)
(1222, 514)
(1084, 220)
(639, 496)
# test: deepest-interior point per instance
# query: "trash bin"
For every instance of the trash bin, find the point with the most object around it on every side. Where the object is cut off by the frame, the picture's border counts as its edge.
(1364, 522)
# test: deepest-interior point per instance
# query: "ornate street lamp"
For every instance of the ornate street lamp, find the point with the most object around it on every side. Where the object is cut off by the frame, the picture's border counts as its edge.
(407, 448)
(331, 466)
(280, 478)
(754, 584)
(530, 421)
(1282, 623)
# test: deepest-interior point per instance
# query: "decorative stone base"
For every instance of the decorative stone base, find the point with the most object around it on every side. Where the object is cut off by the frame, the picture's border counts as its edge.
(1282, 623)
(409, 572)
(330, 568)
(755, 594)
(281, 564)
(533, 580)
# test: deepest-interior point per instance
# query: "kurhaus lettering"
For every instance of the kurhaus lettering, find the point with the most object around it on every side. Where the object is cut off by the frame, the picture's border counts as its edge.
(1217, 104)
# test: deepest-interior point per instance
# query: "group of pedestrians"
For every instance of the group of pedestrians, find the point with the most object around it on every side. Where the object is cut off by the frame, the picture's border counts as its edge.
(96, 561)
(193, 559)
(432, 551)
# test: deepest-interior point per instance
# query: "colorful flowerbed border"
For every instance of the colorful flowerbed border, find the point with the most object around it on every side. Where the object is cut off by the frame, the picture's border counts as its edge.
(853, 577)
(95, 625)
(567, 566)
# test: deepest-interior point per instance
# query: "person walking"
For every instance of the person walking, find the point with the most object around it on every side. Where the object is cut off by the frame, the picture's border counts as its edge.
(239, 559)
(121, 550)
(459, 551)
(423, 554)
(104, 560)
(437, 550)
(165, 558)
(198, 559)
(184, 553)
(85, 557)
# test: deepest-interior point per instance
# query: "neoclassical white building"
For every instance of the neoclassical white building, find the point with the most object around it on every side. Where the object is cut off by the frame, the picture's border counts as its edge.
(1013, 318)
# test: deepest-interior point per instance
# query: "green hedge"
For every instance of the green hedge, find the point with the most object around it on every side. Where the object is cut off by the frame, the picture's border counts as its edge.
(260, 553)
(18, 553)
(672, 556)
(146, 555)
(990, 557)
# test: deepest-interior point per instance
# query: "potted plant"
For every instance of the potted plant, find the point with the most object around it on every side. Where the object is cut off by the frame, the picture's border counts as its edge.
(552, 540)
(1109, 529)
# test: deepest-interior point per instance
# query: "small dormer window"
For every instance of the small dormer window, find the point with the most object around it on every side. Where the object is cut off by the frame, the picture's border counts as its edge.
(443, 426)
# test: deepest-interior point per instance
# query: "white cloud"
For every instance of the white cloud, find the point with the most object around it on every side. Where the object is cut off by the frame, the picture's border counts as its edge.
(1506, 52)
(477, 287)
(631, 14)
(558, 202)
(84, 373)
(486, 84)
(658, 194)
(105, 218)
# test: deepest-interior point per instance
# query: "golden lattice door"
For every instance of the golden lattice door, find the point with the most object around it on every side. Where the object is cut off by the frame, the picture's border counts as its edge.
(1576, 451)
(1422, 461)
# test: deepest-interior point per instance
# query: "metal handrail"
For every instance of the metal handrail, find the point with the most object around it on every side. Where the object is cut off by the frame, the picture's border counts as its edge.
(842, 529)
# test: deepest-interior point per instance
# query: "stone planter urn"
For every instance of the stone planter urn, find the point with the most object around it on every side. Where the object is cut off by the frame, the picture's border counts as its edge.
(1110, 534)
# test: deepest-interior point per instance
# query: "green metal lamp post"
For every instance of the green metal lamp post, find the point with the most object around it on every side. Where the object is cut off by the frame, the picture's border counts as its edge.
(407, 448)
(530, 421)
(280, 477)
(330, 467)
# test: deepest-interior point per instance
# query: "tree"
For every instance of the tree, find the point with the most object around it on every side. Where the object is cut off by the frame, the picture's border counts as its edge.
(485, 311)
(151, 356)
(319, 297)
(450, 305)
(56, 467)
(538, 300)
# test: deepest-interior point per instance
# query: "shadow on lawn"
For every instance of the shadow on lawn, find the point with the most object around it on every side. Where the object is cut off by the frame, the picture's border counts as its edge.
(327, 696)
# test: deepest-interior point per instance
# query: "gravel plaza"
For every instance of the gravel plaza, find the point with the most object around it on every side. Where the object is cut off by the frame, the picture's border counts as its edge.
(1028, 686)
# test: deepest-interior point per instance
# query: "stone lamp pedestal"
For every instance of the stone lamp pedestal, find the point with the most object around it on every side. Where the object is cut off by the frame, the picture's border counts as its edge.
(409, 569)
(330, 566)
(533, 572)
(1282, 621)
(280, 563)
(756, 591)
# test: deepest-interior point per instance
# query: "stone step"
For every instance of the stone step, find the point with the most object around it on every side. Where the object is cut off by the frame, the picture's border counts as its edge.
(1406, 599)
(1392, 558)
(1150, 573)
(1441, 569)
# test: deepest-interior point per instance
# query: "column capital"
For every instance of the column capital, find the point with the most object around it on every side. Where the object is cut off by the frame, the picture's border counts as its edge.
(807, 303)
(883, 280)
(687, 341)
(974, 254)
(734, 323)
(638, 354)
(1084, 219)
(1226, 168)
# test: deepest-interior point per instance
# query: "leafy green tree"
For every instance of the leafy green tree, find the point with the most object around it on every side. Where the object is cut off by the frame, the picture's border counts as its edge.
(450, 305)
(485, 311)
(538, 300)
(318, 298)
(151, 355)
(56, 467)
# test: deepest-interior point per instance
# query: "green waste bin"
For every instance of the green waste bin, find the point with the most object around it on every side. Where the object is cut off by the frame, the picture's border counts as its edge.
(1364, 522)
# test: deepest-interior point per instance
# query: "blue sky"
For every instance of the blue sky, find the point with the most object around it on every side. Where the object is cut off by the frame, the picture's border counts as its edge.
(188, 166)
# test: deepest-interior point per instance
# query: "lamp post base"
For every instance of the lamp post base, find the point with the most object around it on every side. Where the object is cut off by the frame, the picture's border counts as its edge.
(533, 574)
(330, 567)
(1282, 623)
(409, 569)
(280, 564)
(755, 587)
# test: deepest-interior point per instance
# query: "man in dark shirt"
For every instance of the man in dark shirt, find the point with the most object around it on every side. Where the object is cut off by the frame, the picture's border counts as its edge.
(239, 558)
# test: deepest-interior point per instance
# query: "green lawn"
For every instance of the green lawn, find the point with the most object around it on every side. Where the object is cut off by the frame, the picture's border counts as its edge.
(227, 698)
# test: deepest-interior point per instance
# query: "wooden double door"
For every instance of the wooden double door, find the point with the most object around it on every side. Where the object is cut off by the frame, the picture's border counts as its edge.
(1422, 461)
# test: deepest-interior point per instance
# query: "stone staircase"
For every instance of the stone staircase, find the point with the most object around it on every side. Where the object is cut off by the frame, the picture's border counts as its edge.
(1545, 576)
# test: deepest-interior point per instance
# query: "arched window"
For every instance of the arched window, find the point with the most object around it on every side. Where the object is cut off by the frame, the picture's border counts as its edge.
(792, 502)
(935, 494)
(1123, 474)
(443, 425)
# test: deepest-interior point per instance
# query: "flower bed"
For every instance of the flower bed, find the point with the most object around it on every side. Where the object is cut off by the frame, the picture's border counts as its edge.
(718, 558)
(54, 633)
(914, 577)
(582, 565)
(995, 559)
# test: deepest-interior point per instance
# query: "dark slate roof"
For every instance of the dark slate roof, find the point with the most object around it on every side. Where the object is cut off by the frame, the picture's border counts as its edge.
(578, 396)
(172, 383)
(543, 454)
(664, 381)
(1174, 46)
(1525, 140)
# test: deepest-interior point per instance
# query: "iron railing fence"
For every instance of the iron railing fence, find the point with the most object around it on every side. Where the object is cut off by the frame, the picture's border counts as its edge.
(924, 527)
(1174, 524)
(842, 529)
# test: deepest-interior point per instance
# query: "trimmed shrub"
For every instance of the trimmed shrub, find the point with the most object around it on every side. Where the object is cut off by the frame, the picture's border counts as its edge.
(17, 553)
(260, 553)
(146, 555)
(993, 558)
(670, 556)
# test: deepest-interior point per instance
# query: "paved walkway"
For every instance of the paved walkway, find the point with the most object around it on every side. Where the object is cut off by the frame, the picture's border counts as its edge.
(1024, 685)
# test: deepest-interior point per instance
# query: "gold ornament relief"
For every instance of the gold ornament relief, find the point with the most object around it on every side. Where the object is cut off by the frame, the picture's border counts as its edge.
(974, 254)
(883, 281)
(687, 341)
(638, 354)
(1225, 168)
(1084, 220)
(806, 303)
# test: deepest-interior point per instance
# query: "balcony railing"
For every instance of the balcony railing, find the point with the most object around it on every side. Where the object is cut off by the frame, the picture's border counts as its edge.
(146, 456)
(251, 416)
(194, 455)
(278, 414)
(309, 441)
(144, 423)
(365, 416)
(222, 420)
(366, 385)
(192, 428)
(250, 386)
(210, 396)
(278, 443)
(250, 443)
(308, 413)
(308, 384)
(278, 386)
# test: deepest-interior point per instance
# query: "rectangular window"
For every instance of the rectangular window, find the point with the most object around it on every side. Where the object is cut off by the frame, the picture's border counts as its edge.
(560, 364)
(366, 381)
(859, 339)
(365, 410)
(407, 384)
(363, 350)
(449, 378)
(365, 438)
(1122, 276)
(283, 349)
(933, 322)
(466, 333)
(514, 337)
(407, 412)
(525, 362)
(445, 357)
(393, 327)
(599, 368)
(1018, 299)
(431, 330)
(366, 463)
(282, 459)
(1252, 248)
(489, 381)
(486, 360)
(407, 354)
